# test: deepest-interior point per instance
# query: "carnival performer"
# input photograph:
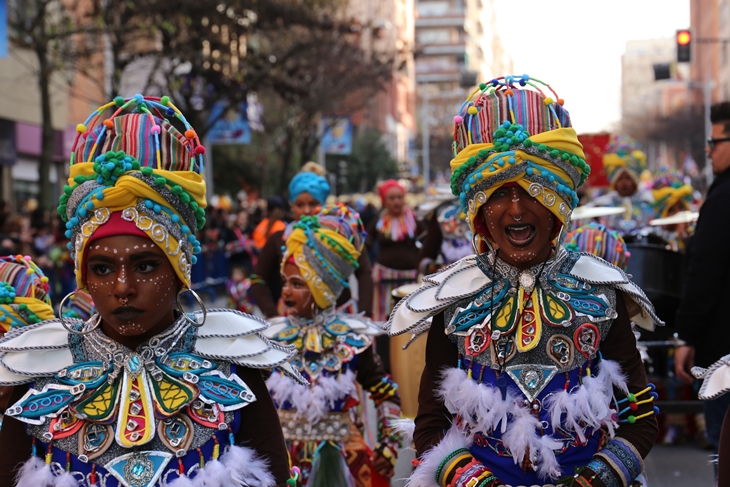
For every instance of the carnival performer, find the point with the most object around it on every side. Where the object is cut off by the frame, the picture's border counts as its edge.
(394, 232)
(308, 191)
(624, 162)
(24, 301)
(448, 236)
(141, 394)
(532, 375)
(336, 355)
(672, 195)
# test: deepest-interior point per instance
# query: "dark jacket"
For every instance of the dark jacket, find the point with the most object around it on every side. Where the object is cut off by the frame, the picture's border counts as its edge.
(703, 318)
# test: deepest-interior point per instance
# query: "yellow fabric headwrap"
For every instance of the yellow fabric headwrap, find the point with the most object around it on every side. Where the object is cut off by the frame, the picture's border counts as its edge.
(325, 259)
(24, 296)
(632, 163)
(126, 193)
(665, 198)
(563, 139)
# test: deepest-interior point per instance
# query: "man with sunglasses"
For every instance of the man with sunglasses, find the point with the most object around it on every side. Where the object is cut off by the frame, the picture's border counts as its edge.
(702, 318)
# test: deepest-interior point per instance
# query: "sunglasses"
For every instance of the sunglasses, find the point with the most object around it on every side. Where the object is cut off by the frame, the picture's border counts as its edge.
(712, 142)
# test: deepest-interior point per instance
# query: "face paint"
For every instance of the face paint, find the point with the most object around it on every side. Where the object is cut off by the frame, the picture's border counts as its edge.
(144, 281)
(521, 230)
(295, 293)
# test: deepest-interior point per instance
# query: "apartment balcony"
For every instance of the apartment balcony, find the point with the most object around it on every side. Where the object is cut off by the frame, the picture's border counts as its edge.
(440, 49)
(438, 77)
(451, 20)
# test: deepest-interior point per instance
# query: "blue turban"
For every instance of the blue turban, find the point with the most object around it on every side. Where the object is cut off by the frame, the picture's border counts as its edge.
(309, 182)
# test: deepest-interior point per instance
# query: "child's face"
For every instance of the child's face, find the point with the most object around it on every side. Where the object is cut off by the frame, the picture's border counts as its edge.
(295, 293)
(238, 275)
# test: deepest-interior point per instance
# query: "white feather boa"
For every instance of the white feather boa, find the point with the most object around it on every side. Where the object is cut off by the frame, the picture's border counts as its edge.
(425, 474)
(481, 406)
(315, 400)
(238, 467)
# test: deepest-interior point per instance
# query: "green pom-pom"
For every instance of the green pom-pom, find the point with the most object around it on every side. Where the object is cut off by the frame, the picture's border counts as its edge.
(64, 199)
(565, 156)
(527, 143)
(135, 166)
(106, 174)
(177, 190)
(541, 148)
(194, 205)
(471, 160)
(499, 133)
(23, 307)
(483, 153)
(199, 213)
(118, 171)
(62, 211)
(119, 101)
(79, 179)
(185, 198)
(160, 182)
(554, 153)
(147, 171)
(68, 190)
(165, 100)
(201, 223)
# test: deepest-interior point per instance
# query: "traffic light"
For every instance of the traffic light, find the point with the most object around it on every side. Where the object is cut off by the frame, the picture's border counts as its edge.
(684, 46)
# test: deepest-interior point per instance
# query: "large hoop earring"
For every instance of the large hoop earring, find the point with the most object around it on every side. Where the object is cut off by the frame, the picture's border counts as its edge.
(68, 328)
(185, 315)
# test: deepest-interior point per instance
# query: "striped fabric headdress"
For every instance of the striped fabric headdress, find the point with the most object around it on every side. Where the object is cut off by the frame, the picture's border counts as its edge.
(668, 190)
(326, 248)
(624, 155)
(599, 240)
(24, 296)
(137, 163)
(80, 306)
(507, 133)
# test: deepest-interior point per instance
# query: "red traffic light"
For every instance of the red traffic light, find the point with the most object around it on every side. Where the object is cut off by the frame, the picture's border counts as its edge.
(684, 37)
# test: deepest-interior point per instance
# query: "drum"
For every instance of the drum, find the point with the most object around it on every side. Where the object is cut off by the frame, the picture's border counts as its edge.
(407, 365)
(658, 272)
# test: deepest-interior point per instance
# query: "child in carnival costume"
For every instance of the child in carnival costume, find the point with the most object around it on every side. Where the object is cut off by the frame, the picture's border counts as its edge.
(671, 196)
(532, 375)
(335, 354)
(624, 162)
(142, 394)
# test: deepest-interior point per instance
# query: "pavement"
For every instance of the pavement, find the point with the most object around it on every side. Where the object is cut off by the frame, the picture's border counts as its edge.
(673, 465)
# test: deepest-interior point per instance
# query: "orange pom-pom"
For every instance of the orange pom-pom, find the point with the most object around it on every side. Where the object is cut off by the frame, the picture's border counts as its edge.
(509, 92)
(190, 133)
(561, 101)
(108, 124)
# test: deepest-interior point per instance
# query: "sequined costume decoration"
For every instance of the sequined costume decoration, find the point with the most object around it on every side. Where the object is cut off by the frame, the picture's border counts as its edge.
(531, 394)
(167, 412)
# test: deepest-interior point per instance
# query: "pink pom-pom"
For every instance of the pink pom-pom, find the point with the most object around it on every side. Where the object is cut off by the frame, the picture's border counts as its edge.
(155, 129)
(458, 119)
(199, 150)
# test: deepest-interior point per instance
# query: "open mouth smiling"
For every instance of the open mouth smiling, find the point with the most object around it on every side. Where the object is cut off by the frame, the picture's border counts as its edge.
(520, 235)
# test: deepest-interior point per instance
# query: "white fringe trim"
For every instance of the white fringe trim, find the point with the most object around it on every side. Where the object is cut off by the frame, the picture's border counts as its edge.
(481, 406)
(425, 474)
(317, 399)
(238, 467)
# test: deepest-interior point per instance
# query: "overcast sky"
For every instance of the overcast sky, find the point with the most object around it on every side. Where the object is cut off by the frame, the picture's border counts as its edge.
(576, 46)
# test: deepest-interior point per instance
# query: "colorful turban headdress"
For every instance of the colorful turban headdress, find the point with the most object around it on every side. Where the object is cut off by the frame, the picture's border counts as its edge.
(138, 164)
(623, 154)
(309, 181)
(668, 190)
(597, 239)
(326, 248)
(24, 296)
(508, 133)
(387, 185)
(79, 306)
